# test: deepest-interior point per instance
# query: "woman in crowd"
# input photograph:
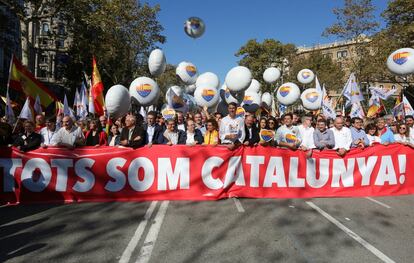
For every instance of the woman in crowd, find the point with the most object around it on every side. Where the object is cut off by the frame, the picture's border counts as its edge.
(173, 136)
(212, 135)
(114, 136)
(83, 125)
(95, 136)
(371, 131)
(192, 136)
(263, 123)
(272, 123)
(403, 135)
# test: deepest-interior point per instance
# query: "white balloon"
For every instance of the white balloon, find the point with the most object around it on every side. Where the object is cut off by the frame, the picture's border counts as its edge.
(254, 86)
(190, 101)
(238, 78)
(190, 88)
(401, 61)
(311, 99)
(306, 76)
(267, 100)
(117, 101)
(206, 96)
(194, 27)
(251, 101)
(288, 93)
(187, 72)
(157, 62)
(271, 75)
(208, 80)
(176, 95)
(145, 90)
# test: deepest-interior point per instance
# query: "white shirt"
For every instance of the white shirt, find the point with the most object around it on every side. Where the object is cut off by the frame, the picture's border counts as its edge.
(306, 134)
(181, 127)
(412, 134)
(68, 137)
(229, 126)
(47, 135)
(343, 138)
(373, 138)
(150, 132)
(190, 138)
(399, 138)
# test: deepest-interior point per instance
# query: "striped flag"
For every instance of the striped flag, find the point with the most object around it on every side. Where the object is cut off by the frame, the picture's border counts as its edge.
(97, 90)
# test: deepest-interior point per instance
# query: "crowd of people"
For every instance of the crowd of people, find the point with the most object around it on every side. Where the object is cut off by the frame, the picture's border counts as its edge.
(305, 132)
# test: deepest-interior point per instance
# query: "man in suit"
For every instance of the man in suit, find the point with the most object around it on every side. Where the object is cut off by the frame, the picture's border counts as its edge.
(133, 135)
(152, 129)
(252, 132)
(29, 140)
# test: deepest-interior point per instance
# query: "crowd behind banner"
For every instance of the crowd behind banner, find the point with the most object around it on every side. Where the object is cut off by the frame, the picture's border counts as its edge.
(305, 132)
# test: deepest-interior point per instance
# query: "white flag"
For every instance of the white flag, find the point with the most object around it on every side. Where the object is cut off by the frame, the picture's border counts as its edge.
(351, 91)
(37, 106)
(143, 113)
(11, 119)
(382, 93)
(318, 85)
(91, 108)
(357, 110)
(26, 112)
(76, 101)
(408, 109)
(82, 111)
(66, 110)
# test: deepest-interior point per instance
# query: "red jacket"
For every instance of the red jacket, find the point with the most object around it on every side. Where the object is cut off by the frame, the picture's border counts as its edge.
(102, 137)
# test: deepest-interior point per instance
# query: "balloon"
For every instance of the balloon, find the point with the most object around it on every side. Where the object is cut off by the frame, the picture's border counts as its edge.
(401, 61)
(187, 72)
(266, 135)
(254, 86)
(208, 80)
(190, 101)
(266, 100)
(251, 101)
(271, 75)
(236, 97)
(240, 112)
(306, 76)
(206, 96)
(190, 88)
(238, 78)
(194, 27)
(168, 113)
(288, 93)
(145, 90)
(311, 99)
(117, 101)
(175, 99)
(157, 62)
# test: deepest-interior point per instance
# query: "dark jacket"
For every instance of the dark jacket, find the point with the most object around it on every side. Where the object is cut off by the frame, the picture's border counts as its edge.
(138, 131)
(181, 138)
(102, 137)
(157, 137)
(32, 141)
(255, 138)
(117, 139)
(198, 137)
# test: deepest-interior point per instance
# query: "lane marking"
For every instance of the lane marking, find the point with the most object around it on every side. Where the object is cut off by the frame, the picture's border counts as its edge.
(378, 202)
(151, 238)
(126, 256)
(238, 205)
(352, 234)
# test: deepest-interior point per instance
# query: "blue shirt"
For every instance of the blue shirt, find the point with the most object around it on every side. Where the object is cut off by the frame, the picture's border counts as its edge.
(387, 137)
(357, 135)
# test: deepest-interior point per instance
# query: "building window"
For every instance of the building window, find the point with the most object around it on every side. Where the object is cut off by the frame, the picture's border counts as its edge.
(60, 43)
(393, 86)
(342, 54)
(45, 28)
(42, 73)
(381, 86)
(61, 29)
(43, 59)
(327, 55)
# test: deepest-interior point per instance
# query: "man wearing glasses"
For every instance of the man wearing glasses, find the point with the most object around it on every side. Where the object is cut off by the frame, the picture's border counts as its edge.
(359, 137)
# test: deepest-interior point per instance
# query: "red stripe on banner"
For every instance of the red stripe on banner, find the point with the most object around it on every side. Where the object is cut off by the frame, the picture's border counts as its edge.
(201, 173)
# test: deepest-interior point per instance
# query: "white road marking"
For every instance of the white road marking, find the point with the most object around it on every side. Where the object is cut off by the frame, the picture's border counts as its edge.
(238, 205)
(126, 256)
(149, 242)
(352, 234)
(378, 202)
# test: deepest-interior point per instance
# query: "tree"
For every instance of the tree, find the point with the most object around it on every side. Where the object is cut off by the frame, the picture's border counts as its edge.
(328, 71)
(399, 17)
(259, 56)
(354, 22)
(119, 33)
(166, 80)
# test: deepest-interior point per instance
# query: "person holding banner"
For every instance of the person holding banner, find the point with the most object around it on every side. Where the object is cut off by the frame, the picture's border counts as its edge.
(403, 135)
(29, 140)
(384, 133)
(322, 136)
(252, 134)
(232, 128)
(114, 136)
(343, 137)
(192, 136)
(173, 136)
(211, 137)
(68, 136)
(287, 135)
(359, 137)
(153, 130)
(371, 131)
(132, 135)
(95, 136)
(48, 132)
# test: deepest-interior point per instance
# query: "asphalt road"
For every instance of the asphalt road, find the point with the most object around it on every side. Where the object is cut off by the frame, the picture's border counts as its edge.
(232, 230)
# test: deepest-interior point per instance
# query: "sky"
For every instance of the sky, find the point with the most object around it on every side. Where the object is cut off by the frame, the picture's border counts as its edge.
(231, 23)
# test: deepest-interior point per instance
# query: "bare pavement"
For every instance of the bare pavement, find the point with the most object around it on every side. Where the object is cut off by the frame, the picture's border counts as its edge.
(377, 229)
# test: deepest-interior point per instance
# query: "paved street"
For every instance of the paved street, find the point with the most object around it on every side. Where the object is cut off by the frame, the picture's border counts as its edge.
(232, 230)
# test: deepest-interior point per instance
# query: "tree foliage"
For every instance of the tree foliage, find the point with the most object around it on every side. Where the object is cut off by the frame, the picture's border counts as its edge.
(259, 56)
(399, 17)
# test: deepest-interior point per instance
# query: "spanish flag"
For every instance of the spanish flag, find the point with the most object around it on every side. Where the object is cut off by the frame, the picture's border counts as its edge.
(23, 80)
(97, 90)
